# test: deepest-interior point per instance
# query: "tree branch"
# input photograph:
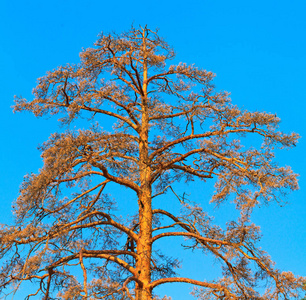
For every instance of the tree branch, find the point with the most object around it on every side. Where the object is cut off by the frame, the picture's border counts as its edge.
(119, 180)
(213, 286)
(190, 234)
(96, 254)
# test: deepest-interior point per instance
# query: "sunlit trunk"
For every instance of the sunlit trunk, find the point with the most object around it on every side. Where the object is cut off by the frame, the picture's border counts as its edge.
(144, 246)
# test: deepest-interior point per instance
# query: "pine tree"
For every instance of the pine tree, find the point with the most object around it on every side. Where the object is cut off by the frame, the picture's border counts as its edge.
(170, 125)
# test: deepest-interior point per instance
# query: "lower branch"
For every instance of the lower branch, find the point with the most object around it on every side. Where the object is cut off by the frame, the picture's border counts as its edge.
(84, 273)
(189, 234)
(213, 286)
(126, 289)
(97, 254)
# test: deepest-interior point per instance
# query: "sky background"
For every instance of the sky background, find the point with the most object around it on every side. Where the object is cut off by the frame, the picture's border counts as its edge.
(257, 49)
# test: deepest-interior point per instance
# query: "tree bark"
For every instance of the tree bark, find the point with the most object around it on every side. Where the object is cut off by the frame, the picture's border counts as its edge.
(144, 245)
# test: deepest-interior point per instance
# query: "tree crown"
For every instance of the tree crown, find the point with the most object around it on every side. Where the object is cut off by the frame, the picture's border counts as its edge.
(169, 124)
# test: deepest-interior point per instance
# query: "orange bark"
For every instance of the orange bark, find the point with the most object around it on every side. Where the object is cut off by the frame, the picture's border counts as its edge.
(144, 245)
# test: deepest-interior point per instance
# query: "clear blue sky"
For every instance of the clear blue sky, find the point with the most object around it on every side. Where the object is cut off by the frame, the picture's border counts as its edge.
(256, 48)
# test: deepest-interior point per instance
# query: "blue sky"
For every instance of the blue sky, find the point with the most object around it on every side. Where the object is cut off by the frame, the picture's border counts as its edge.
(257, 49)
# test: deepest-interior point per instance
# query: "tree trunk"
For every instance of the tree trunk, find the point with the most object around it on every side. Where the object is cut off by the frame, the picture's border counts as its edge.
(144, 246)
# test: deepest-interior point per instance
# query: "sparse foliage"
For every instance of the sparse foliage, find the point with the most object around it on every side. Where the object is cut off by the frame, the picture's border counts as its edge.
(169, 126)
